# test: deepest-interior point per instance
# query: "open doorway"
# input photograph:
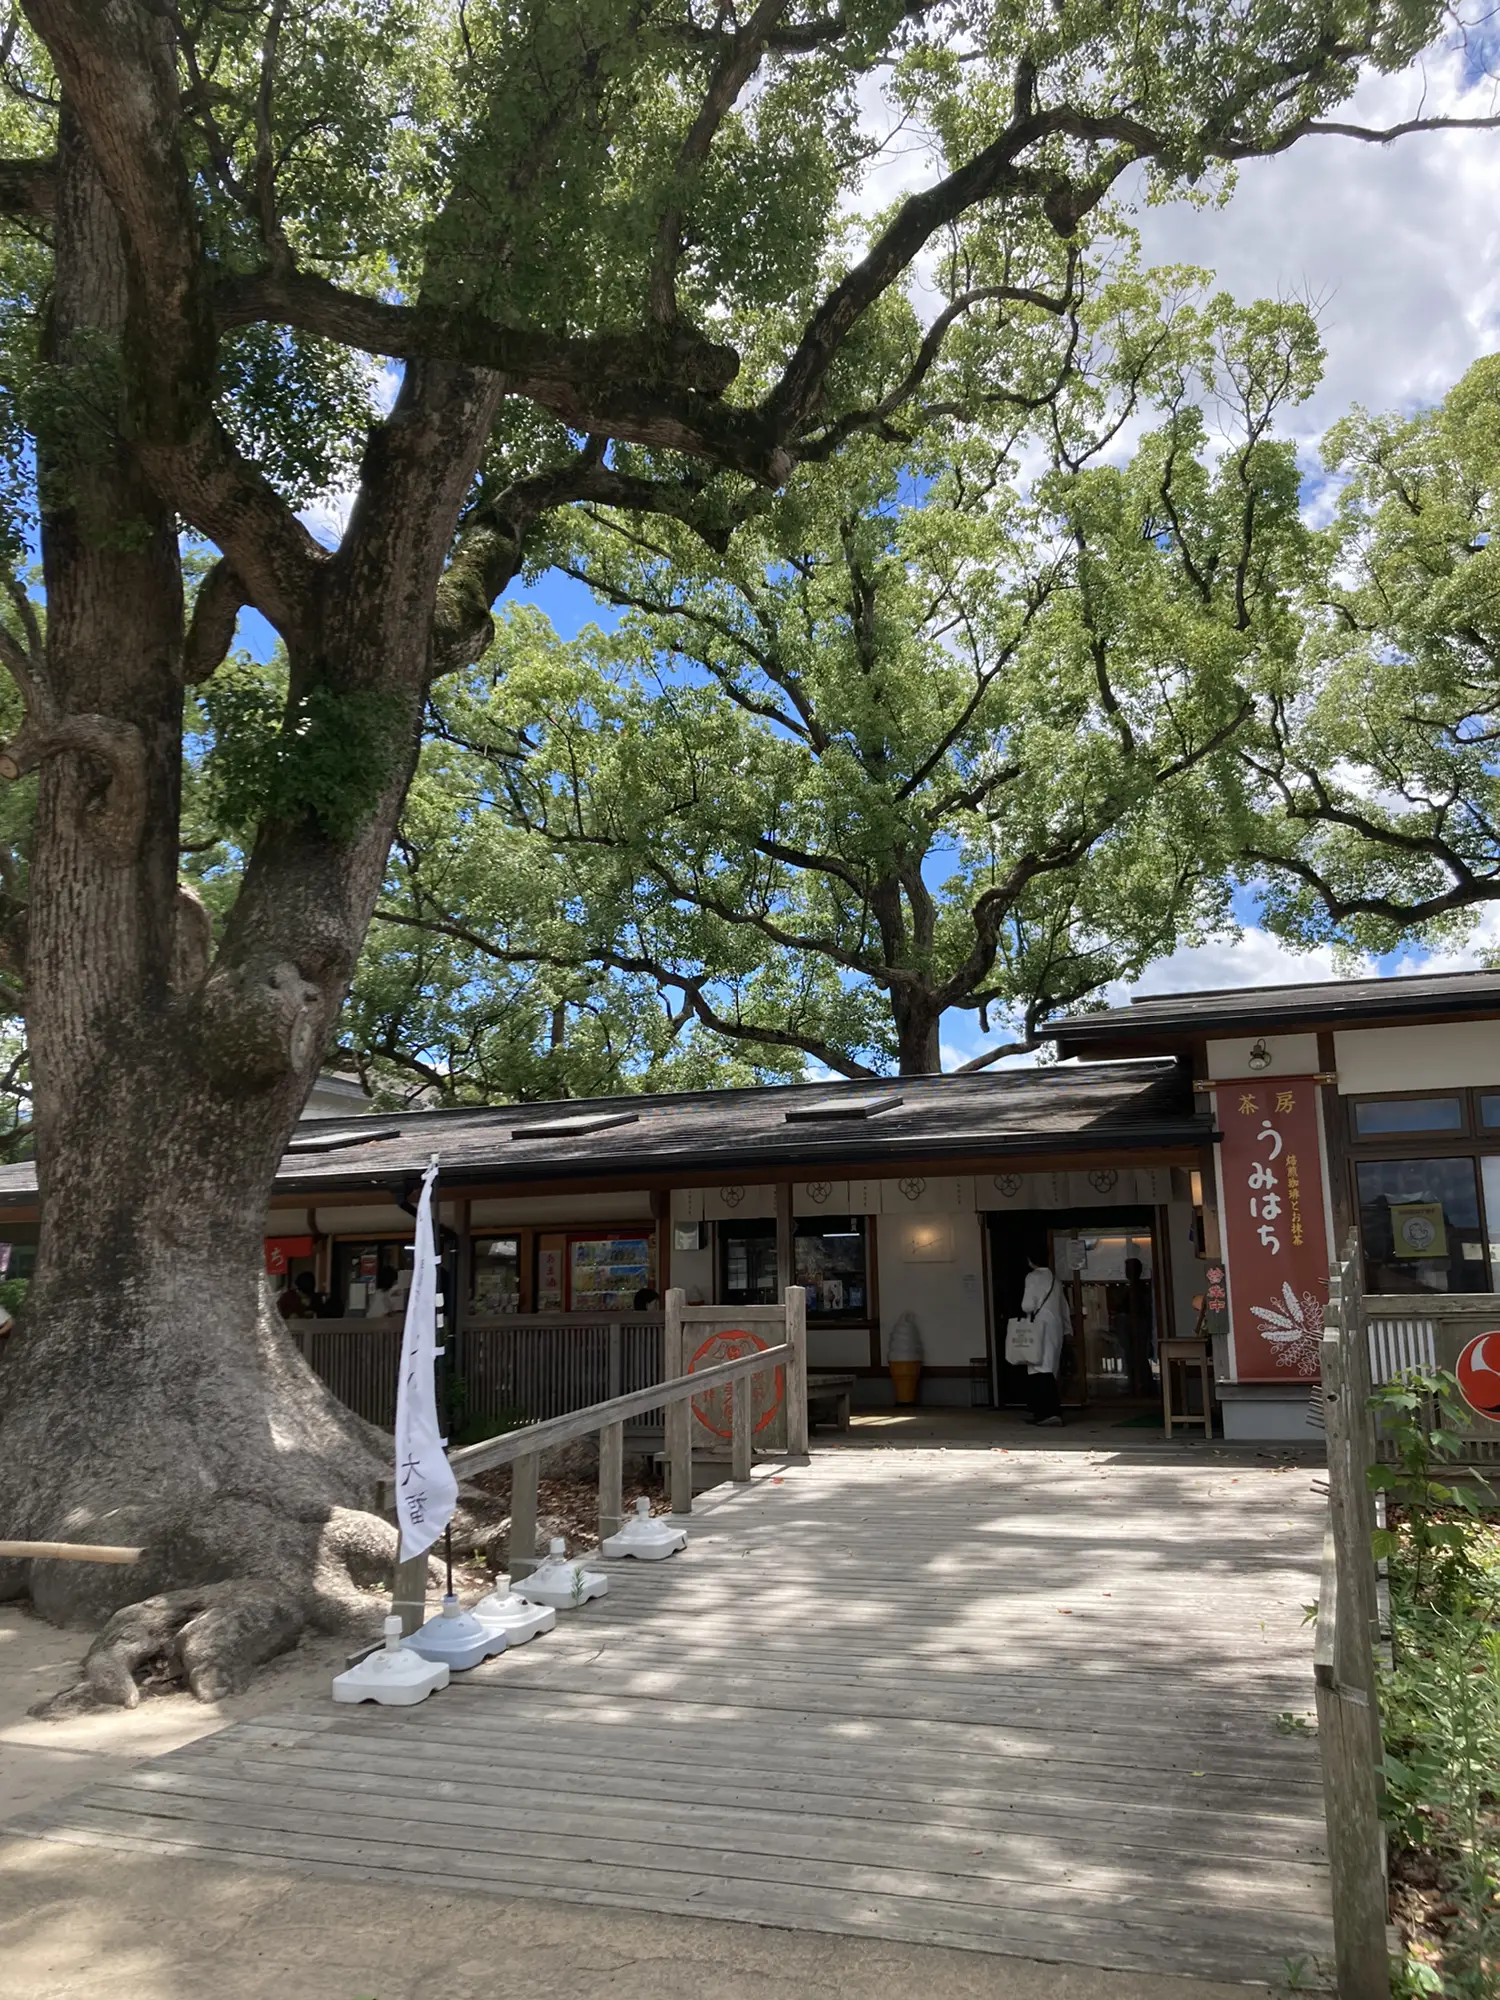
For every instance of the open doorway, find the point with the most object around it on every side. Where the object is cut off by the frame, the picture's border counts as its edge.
(1108, 1262)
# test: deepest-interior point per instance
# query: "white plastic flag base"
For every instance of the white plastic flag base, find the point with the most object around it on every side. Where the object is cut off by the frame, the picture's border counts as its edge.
(457, 1638)
(505, 1610)
(566, 1586)
(653, 1540)
(394, 1676)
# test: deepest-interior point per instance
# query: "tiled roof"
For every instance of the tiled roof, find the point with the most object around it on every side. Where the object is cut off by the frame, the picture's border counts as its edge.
(1053, 1107)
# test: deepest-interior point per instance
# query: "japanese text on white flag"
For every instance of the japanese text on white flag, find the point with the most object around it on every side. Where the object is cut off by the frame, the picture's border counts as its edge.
(426, 1491)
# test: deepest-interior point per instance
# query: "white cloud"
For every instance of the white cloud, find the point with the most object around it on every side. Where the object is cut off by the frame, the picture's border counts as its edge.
(1399, 243)
(1255, 958)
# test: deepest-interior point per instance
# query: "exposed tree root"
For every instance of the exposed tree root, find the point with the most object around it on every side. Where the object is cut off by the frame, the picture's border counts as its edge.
(213, 1636)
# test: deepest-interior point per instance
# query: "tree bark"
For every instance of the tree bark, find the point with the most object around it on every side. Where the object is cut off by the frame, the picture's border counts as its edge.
(150, 1395)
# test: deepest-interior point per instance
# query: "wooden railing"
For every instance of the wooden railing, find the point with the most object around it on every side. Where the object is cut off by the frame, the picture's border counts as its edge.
(540, 1365)
(1348, 1634)
(521, 1449)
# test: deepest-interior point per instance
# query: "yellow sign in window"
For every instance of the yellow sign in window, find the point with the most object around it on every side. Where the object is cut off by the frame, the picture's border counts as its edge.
(1418, 1229)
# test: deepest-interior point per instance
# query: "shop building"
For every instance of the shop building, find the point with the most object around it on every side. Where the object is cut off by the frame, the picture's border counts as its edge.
(1185, 1167)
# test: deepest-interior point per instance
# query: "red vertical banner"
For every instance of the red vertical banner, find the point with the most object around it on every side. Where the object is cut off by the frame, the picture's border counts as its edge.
(1275, 1232)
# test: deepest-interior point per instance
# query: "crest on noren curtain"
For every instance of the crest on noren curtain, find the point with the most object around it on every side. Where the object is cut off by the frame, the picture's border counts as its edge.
(731, 1196)
(913, 1189)
(819, 1191)
(1007, 1184)
(1104, 1180)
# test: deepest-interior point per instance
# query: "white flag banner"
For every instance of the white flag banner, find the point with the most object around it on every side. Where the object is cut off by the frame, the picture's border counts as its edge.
(426, 1491)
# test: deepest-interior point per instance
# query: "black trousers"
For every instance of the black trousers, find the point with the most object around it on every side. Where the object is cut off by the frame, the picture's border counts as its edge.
(1042, 1399)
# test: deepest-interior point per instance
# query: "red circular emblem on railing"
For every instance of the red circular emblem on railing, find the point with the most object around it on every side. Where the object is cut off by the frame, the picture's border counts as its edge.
(1478, 1372)
(713, 1409)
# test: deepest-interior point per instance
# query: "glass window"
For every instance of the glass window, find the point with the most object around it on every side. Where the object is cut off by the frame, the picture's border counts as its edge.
(1381, 1115)
(495, 1275)
(1419, 1222)
(747, 1263)
(371, 1280)
(829, 1258)
(1489, 1112)
(606, 1272)
(1490, 1172)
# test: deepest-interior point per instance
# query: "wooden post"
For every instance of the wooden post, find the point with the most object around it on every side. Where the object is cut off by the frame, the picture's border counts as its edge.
(611, 1478)
(612, 1375)
(523, 1479)
(679, 1415)
(785, 1231)
(796, 1371)
(740, 1406)
(409, 1592)
(1351, 1807)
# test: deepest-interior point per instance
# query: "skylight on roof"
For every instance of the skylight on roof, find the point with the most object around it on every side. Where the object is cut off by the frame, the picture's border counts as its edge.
(333, 1142)
(576, 1125)
(841, 1107)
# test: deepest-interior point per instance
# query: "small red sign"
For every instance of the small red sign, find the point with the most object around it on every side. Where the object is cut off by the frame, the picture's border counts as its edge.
(1478, 1373)
(280, 1250)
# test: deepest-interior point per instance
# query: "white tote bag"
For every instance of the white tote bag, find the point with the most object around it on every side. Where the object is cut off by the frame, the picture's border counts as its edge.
(1023, 1342)
(1023, 1337)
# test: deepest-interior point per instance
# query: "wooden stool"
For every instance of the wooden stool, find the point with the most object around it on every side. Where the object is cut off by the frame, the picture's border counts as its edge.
(1186, 1354)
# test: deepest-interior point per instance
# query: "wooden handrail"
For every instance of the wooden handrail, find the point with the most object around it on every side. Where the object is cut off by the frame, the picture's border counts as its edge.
(491, 1453)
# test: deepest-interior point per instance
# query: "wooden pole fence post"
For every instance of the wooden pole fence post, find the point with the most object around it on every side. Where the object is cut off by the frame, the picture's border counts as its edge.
(740, 1408)
(796, 1372)
(523, 1484)
(611, 1480)
(409, 1592)
(679, 1414)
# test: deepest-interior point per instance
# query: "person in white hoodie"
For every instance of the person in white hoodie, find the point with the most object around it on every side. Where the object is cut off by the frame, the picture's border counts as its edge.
(1044, 1302)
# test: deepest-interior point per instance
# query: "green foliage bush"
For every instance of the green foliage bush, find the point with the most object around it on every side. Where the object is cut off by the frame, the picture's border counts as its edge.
(1440, 1699)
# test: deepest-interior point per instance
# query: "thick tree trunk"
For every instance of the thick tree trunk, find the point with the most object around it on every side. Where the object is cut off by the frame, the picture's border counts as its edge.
(918, 1037)
(150, 1396)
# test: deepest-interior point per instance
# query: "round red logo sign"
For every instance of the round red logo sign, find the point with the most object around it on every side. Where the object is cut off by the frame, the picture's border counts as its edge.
(1478, 1373)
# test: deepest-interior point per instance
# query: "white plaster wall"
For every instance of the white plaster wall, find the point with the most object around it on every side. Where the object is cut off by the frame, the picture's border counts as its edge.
(1445, 1056)
(693, 1270)
(1291, 1055)
(946, 1298)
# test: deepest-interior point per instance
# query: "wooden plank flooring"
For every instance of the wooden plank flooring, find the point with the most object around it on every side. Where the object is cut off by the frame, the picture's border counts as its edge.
(1018, 1702)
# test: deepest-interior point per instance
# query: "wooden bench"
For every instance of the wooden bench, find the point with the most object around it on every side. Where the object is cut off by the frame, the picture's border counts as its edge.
(828, 1398)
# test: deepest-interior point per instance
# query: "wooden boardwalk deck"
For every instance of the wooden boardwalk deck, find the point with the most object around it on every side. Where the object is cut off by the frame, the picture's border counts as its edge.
(1019, 1703)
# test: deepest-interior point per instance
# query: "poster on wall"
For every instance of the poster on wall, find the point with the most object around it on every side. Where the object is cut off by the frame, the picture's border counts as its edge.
(1275, 1231)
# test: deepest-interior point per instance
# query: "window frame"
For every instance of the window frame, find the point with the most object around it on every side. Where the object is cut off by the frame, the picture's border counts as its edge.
(1474, 1141)
(846, 1315)
(1448, 1136)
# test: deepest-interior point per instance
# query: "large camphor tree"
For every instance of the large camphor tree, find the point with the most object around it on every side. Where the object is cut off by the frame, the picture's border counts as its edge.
(1377, 778)
(922, 738)
(471, 264)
